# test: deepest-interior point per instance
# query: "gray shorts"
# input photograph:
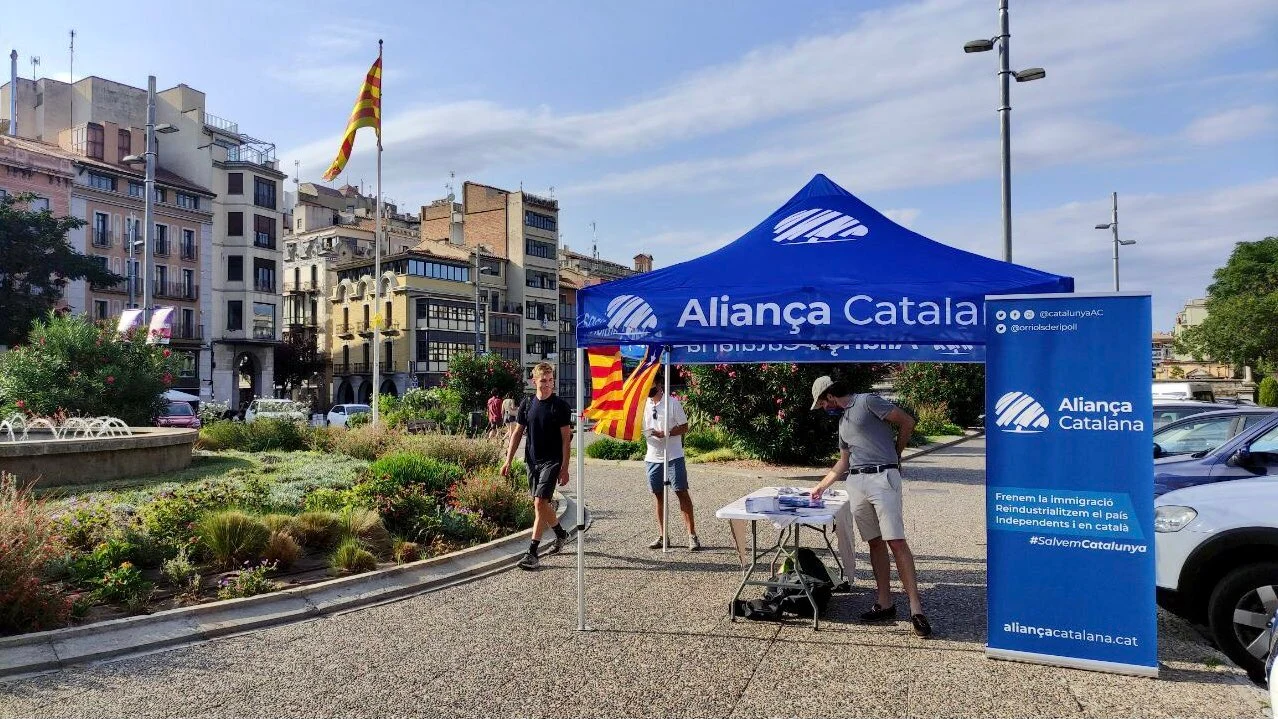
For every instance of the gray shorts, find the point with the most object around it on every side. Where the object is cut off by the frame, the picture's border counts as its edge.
(876, 504)
(678, 475)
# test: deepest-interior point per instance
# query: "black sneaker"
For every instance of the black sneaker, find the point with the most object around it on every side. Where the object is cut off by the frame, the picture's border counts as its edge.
(921, 625)
(657, 543)
(530, 562)
(694, 544)
(879, 614)
(557, 546)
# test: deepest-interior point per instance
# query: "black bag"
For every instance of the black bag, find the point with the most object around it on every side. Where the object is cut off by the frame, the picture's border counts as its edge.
(804, 566)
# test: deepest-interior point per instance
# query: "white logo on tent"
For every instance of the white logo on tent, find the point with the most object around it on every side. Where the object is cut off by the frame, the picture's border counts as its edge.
(630, 315)
(818, 225)
(1020, 413)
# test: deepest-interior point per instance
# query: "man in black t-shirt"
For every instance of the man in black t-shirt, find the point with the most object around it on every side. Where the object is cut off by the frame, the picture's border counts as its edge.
(547, 420)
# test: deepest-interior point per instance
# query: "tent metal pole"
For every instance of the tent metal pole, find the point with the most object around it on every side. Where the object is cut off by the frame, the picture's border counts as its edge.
(665, 456)
(581, 491)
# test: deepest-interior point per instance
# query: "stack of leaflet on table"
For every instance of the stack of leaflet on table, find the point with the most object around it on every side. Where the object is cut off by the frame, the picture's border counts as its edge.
(762, 504)
(801, 501)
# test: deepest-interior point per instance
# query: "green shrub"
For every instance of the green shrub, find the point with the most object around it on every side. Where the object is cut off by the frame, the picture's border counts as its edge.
(249, 582)
(84, 526)
(931, 418)
(351, 558)
(318, 529)
(723, 454)
(232, 537)
(1267, 394)
(367, 443)
(475, 378)
(705, 439)
(766, 408)
(366, 526)
(263, 435)
(28, 542)
(171, 517)
(282, 549)
(180, 572)
(222, 436)
(72, 366)
(493, 499)
(359, 420)
(399, 506)
(404, 552)
(471, 454)
(960, 386)
(124, 585)
(280, 523)
(403, 468)
(608, 448)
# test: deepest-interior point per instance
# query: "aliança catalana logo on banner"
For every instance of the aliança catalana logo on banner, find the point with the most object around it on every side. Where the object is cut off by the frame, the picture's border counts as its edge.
(818, 225)
(1019, 413)
(630, 316)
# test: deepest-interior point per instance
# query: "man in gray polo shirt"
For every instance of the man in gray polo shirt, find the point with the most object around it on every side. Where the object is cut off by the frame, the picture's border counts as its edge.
(869, 460)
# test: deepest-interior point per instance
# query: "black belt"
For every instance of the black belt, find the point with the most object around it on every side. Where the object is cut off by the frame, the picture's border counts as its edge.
(873, 469)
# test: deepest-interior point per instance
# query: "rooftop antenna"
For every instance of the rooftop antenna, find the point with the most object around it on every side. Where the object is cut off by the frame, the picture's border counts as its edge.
(35, 62)
(449, 185)
(297, 175)
(552, 192)
(594, 240)
(72, 74)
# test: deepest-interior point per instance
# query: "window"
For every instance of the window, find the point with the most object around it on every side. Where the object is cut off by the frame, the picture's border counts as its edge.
(190, 202)
(94, 141)
(264, 193)
(131, 229)
(264, 231)
(100, 310)
(162, 240)
(188, 244)
(235, 268)
(433, 270)
(538, 248)
(235, 183)
(101, 229)
(234, 315)
(188, 284)
(39, 204)
(136, 189)
(161, 194)
(124, 138)
(539, 221)
(540, 311)
(503, 329)
(490, 267)
(162, 280)
(449, 317)
(187, 329)
(187, 366)
(98, 181)
(263, 275)
(263, 321)
(235, 224)
(541, 346)
(314, 276)
(438, 354)
(541, 280)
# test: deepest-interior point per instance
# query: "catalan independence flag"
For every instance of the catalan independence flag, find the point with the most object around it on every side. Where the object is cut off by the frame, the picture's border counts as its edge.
(625, 422)
(367, 113)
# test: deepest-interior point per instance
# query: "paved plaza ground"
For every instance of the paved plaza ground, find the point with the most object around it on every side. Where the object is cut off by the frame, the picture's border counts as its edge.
(662, 645)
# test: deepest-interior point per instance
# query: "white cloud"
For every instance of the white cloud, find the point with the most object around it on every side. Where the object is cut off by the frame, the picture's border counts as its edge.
(330, 59)
(1231, 125)
(904, 216)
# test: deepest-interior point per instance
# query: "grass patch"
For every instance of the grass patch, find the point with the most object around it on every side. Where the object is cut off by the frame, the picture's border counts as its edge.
(722, 454)
(203, 466)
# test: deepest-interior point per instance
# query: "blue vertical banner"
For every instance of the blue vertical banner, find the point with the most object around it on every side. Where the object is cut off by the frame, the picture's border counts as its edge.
(1069, 502)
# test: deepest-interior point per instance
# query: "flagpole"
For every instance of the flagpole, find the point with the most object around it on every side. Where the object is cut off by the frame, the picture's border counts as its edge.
(377, 257)
(581, 490)
(665, 456)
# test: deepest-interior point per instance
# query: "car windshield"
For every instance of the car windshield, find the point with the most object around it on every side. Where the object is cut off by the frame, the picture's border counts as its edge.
(179, 409)
(358, 408)
(1194, 435)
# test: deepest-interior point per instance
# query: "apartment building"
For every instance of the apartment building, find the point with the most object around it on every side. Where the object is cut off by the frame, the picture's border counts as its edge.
(242, 175)
(600, 270)
(426, 315)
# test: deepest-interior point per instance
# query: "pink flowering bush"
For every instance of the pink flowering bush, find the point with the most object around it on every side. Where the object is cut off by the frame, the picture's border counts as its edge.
(764, 408)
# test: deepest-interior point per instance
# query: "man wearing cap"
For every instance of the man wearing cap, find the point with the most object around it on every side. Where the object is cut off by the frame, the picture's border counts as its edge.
(869, 460)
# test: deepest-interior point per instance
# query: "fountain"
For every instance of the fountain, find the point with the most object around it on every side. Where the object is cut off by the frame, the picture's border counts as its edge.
(84, 450)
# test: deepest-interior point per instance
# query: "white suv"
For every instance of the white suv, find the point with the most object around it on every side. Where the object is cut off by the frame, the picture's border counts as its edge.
(1217, 562)
(263, 408)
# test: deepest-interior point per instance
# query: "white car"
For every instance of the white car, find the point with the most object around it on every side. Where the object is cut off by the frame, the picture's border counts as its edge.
(263, 408)
(338, 415)
(1216, 553)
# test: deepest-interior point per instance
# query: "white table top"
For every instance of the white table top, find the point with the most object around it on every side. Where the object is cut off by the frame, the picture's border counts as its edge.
(835, 501)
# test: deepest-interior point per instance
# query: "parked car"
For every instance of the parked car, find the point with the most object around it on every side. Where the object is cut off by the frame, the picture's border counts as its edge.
(178, 414)
(1168, 411)
(1271, 664)
(1251, 453)
(262, 408)
(1206, 431)
(1216, 553)
(1184, 390)
(338, 415)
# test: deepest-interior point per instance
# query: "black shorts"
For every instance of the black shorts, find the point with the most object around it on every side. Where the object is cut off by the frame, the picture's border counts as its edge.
(542, 479)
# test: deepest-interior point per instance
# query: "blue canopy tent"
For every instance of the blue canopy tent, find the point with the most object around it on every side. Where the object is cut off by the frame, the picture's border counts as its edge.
(825, 278)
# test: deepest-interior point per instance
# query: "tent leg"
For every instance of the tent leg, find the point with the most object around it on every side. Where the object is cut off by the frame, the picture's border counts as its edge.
(581, 492)
(665, 458)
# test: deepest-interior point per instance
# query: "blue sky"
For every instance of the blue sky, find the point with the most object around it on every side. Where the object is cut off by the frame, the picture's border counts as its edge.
(678, 126)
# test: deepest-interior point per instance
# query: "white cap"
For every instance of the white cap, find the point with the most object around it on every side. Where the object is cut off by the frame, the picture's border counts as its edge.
(819, 387)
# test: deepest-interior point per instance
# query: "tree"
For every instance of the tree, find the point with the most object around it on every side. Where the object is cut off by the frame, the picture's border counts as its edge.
(297, 359)
(960, 386)
(36, 262)
(766, 408)
(1268, 394)
(476, 378)
(1242, 310)
(76, 367)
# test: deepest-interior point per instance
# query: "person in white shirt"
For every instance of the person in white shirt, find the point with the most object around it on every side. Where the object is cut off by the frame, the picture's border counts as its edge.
(661, 441)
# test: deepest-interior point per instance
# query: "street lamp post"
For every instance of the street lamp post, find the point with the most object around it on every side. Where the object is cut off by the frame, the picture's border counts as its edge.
(148, 218)
(479, 342)
(1113, 225)
(1005, 74)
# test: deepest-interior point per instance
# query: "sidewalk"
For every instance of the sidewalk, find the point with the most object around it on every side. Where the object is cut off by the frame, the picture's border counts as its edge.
(662, 645)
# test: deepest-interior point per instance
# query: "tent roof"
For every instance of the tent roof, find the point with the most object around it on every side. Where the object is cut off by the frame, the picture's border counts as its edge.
(822, 248)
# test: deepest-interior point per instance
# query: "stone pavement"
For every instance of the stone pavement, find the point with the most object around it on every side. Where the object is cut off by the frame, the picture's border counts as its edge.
(662, 645)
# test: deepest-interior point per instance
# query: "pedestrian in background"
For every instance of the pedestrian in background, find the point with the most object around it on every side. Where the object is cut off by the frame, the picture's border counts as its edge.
(667, 443)
(547, 420)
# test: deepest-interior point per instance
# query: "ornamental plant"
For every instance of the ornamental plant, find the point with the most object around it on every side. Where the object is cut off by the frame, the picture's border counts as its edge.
(475, 378)
(28, 543)
(765, 408)
(960, 386)
(249, 582)
(1267, 395)
(73, 366)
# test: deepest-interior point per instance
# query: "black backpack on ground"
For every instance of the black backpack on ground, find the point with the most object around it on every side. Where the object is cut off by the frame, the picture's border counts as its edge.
(803, 565)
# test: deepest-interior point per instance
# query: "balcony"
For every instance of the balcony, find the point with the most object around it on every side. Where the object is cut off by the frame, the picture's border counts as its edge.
(188, 250)
(302, 323)
(188, 332)
(101, 238)
(345, 330)
(176, 290)
(263, 240)
(161, 247)
(505, 308)
(365, 329)
(264, 284)
(121, 287)
(307, 286)
(361, 368)
(219, 123)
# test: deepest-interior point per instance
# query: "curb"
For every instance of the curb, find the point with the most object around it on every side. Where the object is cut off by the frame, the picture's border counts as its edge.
(39, 652)
(967, 434)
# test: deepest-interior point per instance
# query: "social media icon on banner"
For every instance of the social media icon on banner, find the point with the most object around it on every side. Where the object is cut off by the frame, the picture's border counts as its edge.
(1016, 314)
(1029, 314)
(1000, 315)
(1000, 328)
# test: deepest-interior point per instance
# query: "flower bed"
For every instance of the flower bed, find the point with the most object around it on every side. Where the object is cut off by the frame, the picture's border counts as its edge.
(243, 523)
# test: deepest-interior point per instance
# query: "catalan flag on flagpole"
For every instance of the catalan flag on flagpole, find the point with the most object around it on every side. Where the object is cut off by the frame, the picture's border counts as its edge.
(606, 381)
(367, 113)
(626, 421)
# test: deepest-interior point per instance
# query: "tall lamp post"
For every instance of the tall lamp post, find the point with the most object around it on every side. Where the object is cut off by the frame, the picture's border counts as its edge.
(1005, 75)
(148, 219)
(1113, 225)
(480, 271)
